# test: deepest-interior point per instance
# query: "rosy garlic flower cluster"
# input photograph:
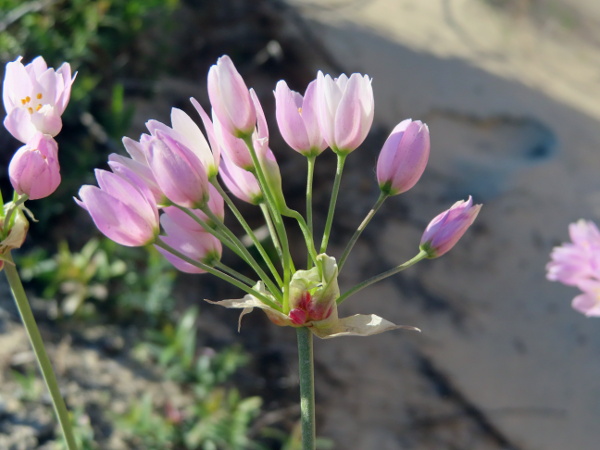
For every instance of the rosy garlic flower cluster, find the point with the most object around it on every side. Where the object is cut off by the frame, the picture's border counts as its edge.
(34, 97)
(174, 186)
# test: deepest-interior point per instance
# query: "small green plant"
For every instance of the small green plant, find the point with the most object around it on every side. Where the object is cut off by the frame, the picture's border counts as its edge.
(82, 430)
(29, 386)
(215, 417)
(139, 282)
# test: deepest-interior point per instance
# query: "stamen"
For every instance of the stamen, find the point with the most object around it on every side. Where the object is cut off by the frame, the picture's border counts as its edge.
(38, 107)
(30, 110)
(300, 110)
(39, 95)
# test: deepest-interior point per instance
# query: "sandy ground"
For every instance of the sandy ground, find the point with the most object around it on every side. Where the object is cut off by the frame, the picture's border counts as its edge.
(510, 91)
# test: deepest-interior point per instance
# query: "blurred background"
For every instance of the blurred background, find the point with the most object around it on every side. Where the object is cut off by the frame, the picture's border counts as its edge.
(509, 90)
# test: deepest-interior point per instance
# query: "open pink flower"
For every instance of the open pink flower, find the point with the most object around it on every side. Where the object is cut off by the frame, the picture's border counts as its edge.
(34, 169)
(186, 132)
(35, 97)
(297, 119)
(578, 260)
(122, 210)
(197, 245)
(345, 108)
(577, 263)
(178, 171)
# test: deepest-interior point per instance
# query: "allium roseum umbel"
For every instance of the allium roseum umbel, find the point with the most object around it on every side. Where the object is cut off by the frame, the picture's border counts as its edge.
(178, 171)
(577, 263)
(34, 97)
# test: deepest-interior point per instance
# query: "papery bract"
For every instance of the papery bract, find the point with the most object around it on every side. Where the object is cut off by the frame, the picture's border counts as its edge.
(345, 108)
(196, 245)
(318, 310)
(297, 119)
(13, 234)
(123, 211)
(35, 97)
(34, 169)
(444, 231)
(230, 98)
(178, 172)
(403, 157)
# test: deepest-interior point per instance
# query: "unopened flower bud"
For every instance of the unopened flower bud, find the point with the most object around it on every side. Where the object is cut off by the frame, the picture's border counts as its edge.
(34, 169)
(403, 157)
(444, 231)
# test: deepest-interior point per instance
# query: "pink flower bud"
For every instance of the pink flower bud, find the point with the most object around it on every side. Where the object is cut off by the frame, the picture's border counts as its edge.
(35, 97)
(122, 210)
(124, 167)
(240, 182)
(345, 110)
(230, 98)
(178, 172)
(197, 245)
(235, 148)
(186, 132)
(34, 169)
(403, 157)
(297, 119)
(215, 203)
(444, 231)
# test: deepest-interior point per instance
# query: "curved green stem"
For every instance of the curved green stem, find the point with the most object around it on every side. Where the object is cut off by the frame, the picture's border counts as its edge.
(341, 159)
(308, 237)
(245, 254)
(248, 230)
(360, 229)
(272, 232)
(277, 220)
(223, 276)
(234, 273)
(306, 368)
(310, 172)
(37, 343)
(388, 273)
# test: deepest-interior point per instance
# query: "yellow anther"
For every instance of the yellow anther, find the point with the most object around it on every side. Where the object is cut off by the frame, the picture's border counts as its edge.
(30, 110)
(23, 101)
(300, 110)
(27, 99)
(39, 95)
(38, 107)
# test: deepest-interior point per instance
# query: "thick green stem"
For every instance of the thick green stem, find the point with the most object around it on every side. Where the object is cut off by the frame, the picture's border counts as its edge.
(388, 273)
(341, 159)
(360, 229)
(306, 367)
(37, 343)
